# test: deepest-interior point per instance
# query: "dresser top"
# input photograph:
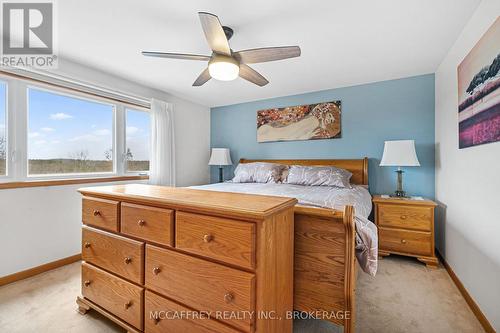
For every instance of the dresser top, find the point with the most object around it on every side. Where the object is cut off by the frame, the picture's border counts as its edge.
(403, 201)
(242, 205)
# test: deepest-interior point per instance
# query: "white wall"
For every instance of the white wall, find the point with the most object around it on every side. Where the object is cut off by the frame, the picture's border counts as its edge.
(40, 225)
(468, 182)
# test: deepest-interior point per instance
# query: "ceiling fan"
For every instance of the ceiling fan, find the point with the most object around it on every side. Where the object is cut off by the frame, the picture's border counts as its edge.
(224, 64)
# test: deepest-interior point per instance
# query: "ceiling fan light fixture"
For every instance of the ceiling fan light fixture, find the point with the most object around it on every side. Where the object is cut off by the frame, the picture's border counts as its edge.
(223, 68)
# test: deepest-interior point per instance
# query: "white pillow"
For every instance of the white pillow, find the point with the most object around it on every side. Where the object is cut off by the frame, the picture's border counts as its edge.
(257, 172)
(318, 176)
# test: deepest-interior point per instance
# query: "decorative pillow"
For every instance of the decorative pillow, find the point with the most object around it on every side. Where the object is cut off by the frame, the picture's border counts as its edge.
(284, 174)
(318, 176)
(257, 172)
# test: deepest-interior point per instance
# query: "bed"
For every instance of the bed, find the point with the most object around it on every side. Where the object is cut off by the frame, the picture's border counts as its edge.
(325, 244)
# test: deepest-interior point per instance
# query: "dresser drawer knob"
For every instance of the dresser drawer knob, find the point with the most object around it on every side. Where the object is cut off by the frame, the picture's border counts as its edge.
(86, 283)
(128, 305)
(228, 297)
(156, 320)
(208, 238)
(86, 245)
(156, 270)
(96, 212)
(141, 223)
(403, 241)
(403, 217)
(128, 260)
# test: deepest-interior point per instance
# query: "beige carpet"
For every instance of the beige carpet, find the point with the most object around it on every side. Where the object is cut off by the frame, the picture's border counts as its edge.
(405, 296)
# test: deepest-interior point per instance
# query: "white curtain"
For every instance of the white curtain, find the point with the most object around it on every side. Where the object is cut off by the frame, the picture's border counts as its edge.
(162, 162)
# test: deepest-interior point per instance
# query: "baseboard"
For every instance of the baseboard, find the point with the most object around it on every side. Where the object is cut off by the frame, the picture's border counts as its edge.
(39, 269)
(468, 298)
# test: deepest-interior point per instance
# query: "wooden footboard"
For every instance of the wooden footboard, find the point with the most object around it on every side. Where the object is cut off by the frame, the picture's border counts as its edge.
(325, 262)
(324, 279)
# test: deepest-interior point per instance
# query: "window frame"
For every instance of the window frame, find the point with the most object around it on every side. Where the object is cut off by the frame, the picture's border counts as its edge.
(17, 122)
(7, 131)
(70, 175)
(125, 162)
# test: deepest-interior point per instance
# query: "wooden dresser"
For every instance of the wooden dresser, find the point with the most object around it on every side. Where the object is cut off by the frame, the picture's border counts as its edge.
(160, 259)
(406, 227)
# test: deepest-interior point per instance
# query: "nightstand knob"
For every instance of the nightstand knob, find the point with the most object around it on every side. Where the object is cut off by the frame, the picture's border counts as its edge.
(156, 270)
(128, 260)
(403, 241)
(403, 217)
(96, 212)
(86, 283)
(208, 238)
(141, 223)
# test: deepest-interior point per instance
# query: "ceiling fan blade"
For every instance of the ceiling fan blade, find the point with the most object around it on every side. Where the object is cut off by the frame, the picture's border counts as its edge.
(214, 33)
(202, 79)
(176, 55)
(252, 75)
(265, 54)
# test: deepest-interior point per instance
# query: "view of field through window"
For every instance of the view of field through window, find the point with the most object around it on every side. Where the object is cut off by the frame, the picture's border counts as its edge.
(68, 135)
(137, 132)
(3, 123)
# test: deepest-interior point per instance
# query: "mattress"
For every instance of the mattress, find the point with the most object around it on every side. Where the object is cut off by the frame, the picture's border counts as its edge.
(324, 197)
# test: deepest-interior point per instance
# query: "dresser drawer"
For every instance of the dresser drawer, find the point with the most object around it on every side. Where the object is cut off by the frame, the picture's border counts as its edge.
(410, 242)
(223, 239)
(114, 253)
(148, 223)
(121, 298)
(201, 284)
(416, 218)
(100, 213)
(163, 315)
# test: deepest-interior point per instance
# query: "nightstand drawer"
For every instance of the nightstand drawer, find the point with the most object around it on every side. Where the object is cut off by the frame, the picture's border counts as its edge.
(405, 217)
(411, 242)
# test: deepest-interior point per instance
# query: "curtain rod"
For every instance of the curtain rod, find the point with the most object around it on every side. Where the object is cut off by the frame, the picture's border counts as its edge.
(65, 82)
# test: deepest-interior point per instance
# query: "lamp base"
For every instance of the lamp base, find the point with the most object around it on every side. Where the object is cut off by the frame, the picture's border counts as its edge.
(221, 174)
(399, 194)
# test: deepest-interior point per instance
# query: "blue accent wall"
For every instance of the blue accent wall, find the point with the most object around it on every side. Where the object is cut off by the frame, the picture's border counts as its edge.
(371, 113)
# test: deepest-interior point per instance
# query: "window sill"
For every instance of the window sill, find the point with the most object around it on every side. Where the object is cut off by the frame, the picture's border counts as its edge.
(73, 181)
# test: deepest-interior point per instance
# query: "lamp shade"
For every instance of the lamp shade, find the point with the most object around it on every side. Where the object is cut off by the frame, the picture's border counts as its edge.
(220, 156)
(399, 153)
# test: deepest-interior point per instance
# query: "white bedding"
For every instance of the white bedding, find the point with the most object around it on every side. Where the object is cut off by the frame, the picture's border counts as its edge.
(326, 197)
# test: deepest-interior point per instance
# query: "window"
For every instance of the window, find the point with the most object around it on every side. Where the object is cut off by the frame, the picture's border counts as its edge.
(3, 129)
(68, 135)
(58, 133)
(137, 141)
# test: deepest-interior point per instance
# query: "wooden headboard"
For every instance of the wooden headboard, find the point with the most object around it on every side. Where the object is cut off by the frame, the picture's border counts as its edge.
(358, 168)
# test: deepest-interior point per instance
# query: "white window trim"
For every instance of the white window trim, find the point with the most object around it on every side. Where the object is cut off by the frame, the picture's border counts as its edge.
(7, 131)
(17, 132)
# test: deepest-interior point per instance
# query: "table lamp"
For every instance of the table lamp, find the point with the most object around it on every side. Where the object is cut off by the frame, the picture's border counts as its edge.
(220, 157)
(399, 153)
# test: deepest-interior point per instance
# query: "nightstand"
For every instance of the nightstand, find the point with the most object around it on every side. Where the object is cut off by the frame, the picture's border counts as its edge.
(406, 227)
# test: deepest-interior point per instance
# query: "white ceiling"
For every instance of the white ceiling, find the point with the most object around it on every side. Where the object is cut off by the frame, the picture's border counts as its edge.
(343, 42)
